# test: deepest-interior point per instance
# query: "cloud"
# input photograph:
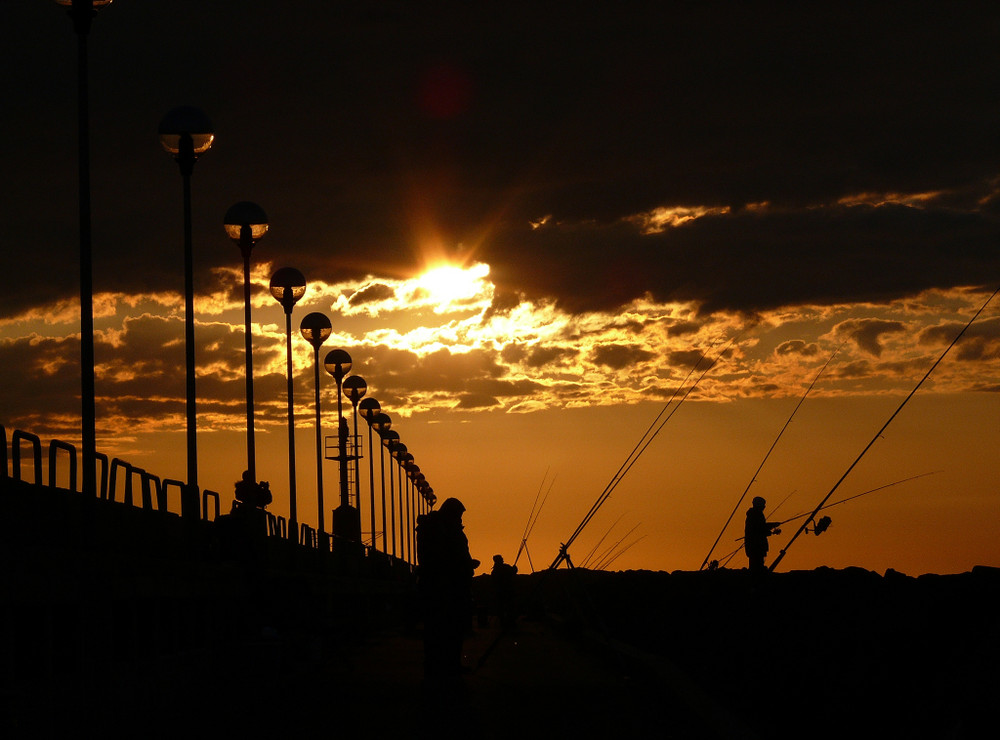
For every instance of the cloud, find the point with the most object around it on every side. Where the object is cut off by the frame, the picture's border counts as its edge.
(868, 333)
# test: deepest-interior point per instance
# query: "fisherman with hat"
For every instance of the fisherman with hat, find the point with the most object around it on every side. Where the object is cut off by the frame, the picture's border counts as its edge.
(755, 535)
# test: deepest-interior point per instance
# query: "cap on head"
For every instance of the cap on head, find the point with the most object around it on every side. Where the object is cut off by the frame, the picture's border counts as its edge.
(759, 502)
(452, 507)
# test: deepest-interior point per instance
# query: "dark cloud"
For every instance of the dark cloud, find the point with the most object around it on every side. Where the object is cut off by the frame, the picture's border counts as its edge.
(868, 333)
(797, 347)
(619, 356)
(363, 128)
(372, 294)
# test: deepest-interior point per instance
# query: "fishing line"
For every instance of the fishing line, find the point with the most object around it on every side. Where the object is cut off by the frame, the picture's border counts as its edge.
(768, 454)
(878, 434)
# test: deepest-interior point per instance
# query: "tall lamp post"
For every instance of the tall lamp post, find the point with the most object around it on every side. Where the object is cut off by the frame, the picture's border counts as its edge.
(397, 451)
(347, 522)
(186, 133)
(369, 408)
(246, 223)
(316, 329)
(405, 462)
(389, 441)
(382, 425)
(82, 12)
(288, 286)
(355, 388)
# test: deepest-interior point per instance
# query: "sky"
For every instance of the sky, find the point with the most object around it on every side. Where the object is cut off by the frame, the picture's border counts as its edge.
(534, 230)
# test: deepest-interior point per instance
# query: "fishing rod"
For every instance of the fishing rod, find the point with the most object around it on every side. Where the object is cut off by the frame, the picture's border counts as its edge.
(724, 561)
(623, 551)
(774, 444)
(624, 469)
(620, 472)
(878, 434)
(533, 516)
(608, 551)
(782, 502)
(600, 541)
(859, 495)
(849, 498)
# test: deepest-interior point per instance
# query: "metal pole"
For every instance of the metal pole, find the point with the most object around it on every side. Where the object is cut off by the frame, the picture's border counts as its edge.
(293, 519)
(345, 493)
(248, 344)
(371, 482)
(381, 460)
(88, 413)
(319, 445)
(357, 465)
(392, 507)
(186, 161)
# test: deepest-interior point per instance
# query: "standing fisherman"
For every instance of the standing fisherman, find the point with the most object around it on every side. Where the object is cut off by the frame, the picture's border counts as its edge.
(755, 535)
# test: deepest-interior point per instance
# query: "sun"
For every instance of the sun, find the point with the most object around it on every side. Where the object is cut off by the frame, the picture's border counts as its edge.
(448, 285)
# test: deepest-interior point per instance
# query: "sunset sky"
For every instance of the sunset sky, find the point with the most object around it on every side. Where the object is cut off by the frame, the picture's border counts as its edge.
(527, 226)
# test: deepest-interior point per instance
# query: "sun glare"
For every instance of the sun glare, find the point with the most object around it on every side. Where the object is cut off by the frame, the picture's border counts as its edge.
(447, 285)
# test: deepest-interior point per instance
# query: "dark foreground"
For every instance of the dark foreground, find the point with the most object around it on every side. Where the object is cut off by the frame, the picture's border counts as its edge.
(643, 654)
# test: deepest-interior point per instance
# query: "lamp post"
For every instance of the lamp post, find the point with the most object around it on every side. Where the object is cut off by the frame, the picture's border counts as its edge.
(186, 133)
(82, 12)
(246, 223)
(382, 424)
(316, 329)
(405, 461)
(347, 522)
(412, 470)
(390, 440)
(288, 286)
(355, 388)
(369, 408)
(397, 451)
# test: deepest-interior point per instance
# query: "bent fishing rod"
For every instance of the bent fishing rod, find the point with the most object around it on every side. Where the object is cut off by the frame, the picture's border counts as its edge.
(634, 455)
(724, 561)
(774, 444)
(878, 434)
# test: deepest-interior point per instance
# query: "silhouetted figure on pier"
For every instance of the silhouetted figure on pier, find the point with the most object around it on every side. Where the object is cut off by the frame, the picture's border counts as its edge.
(251, 493)
(502, 578)
(445, 586)
(755, 535)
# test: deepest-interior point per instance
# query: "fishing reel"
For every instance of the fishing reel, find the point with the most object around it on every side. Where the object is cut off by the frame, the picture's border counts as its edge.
(821, 526)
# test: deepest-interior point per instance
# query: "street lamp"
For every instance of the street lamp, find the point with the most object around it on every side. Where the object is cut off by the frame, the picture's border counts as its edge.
(245, 224)
(412, 471)
(185, 133)
(397, 451)
(316, 329)
(82, 13)
(405, 463)
(347, 521)
(355, 388)
(288, 286)
(369, 408)
(382, 424)
(389, 441)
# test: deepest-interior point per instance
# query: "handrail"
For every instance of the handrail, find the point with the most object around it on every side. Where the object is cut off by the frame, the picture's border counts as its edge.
(205, 496)
(15, 454)
(147, 491)
(54, 446)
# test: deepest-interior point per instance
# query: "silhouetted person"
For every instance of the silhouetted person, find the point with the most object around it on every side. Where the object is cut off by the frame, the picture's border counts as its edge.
(445, 586)
(755, 535)
(251, 493)
(502, 577)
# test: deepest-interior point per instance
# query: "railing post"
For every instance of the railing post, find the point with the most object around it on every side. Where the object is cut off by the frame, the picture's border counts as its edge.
(3, 451)
(15, 453)
(54, 446)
